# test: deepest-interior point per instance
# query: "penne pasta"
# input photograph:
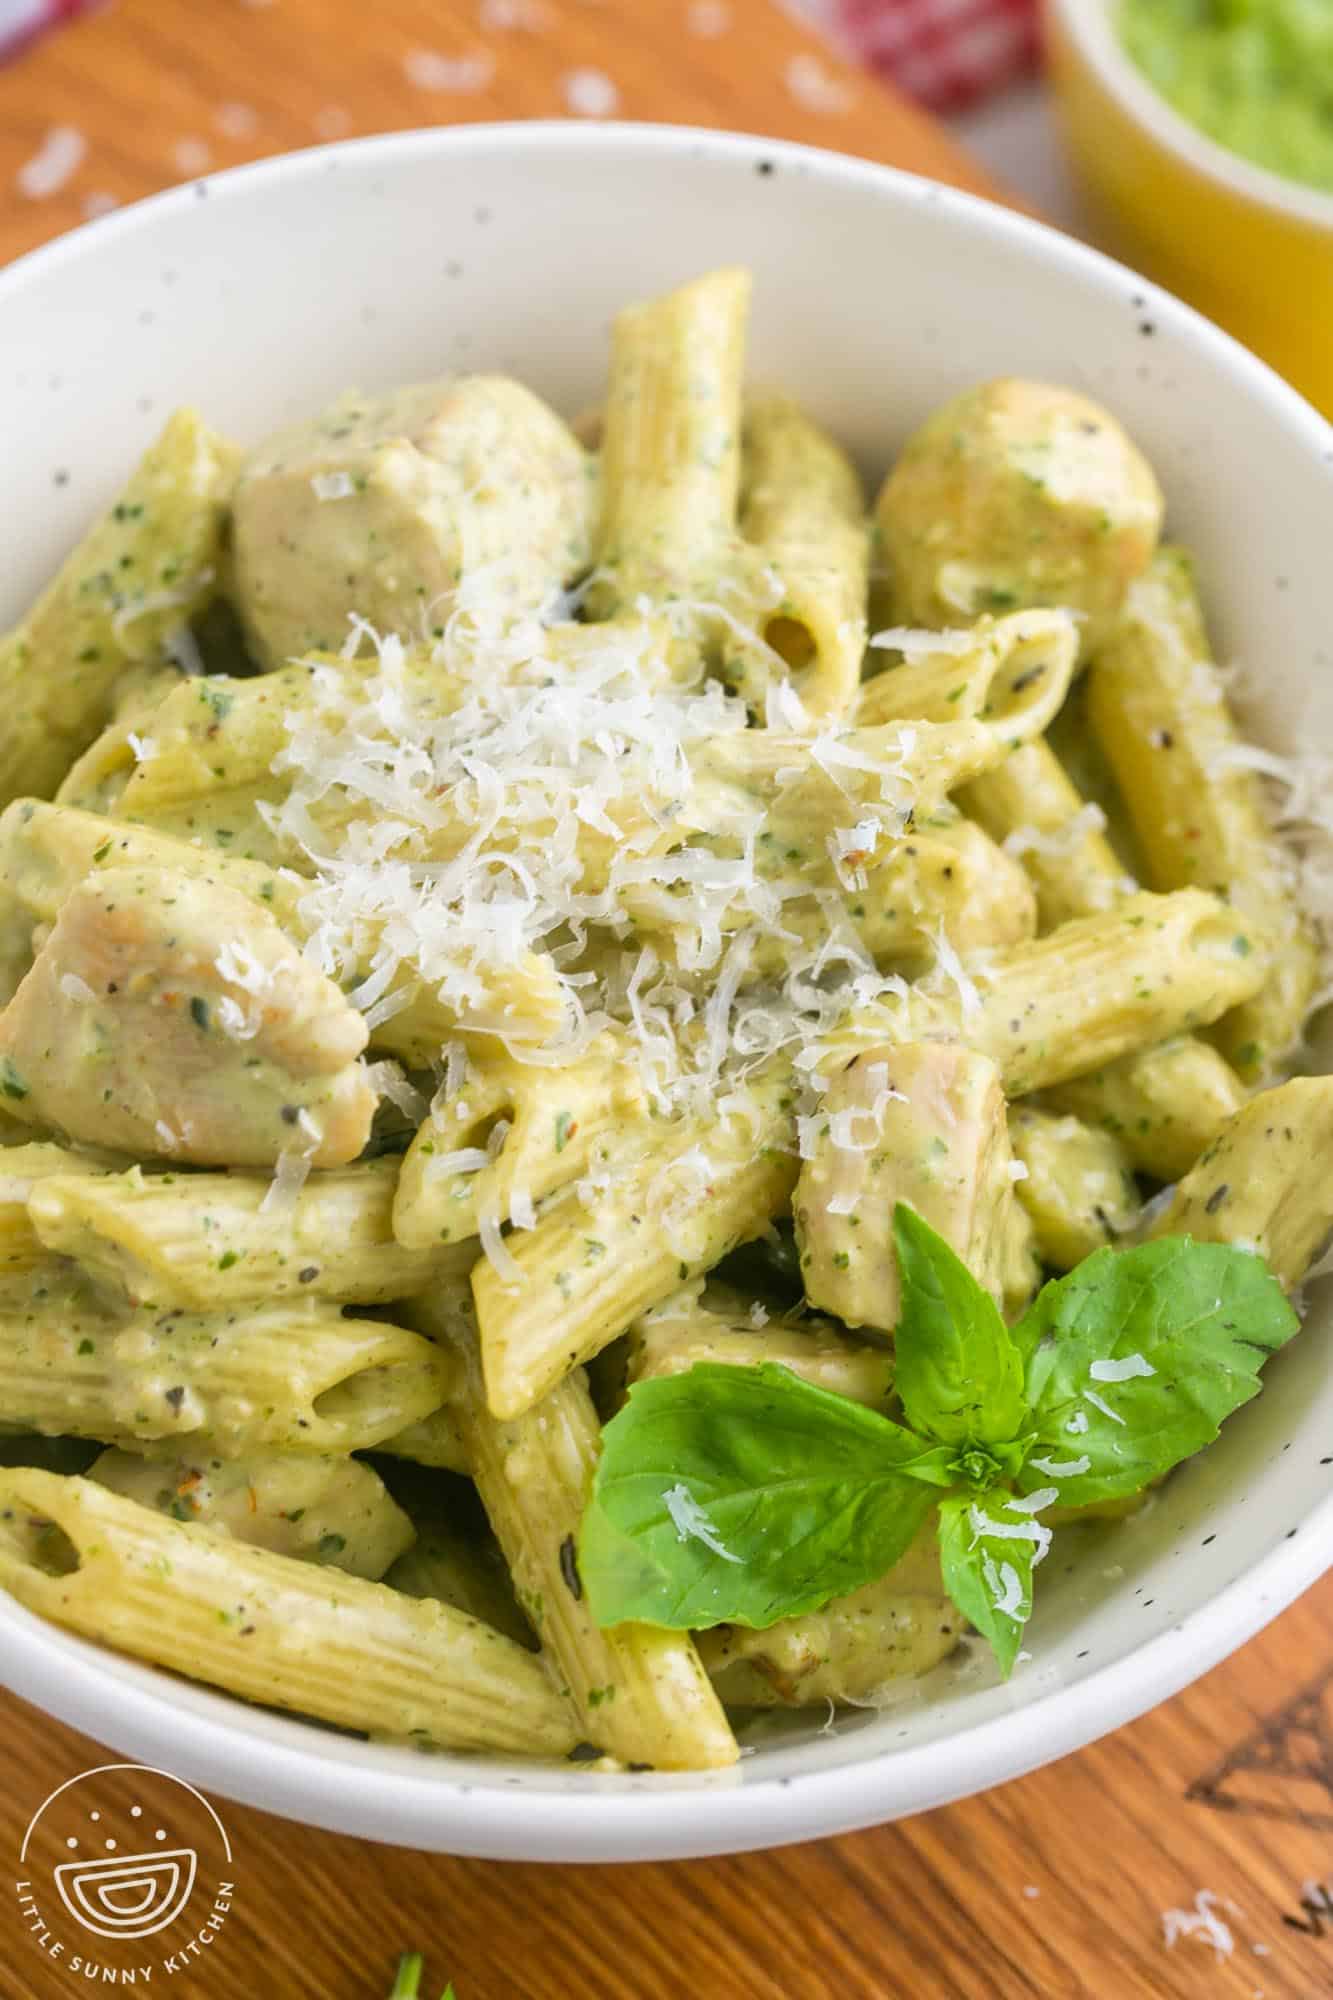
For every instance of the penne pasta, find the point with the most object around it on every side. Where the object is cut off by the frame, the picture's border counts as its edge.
(671, 447)
(1078, 1189)
(1157, 705)
(803, 514)
(581, 1276)
(641, 1694)
(1088, 993)
(142, 572)
(211, 1241)
(297, 1377)
(1013, 672)
(1164, 1104)
(276, 1631)
(511, 1135)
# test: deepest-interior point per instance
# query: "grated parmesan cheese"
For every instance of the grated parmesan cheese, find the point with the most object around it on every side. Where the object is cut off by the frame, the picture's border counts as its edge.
(708, 19)
(1062, 1468)
(811, 84)
(426, 69)
(505, 1265)
(1202, 1922)
(691, 1523)
(289, 1177)
(1127, 1369)
(590, 93)
(55, 162)
(332, 485)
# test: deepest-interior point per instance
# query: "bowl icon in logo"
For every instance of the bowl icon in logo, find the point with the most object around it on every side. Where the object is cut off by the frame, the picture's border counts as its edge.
(130, 1897)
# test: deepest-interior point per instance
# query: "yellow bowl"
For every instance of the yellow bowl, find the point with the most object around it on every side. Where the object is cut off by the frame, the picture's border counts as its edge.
(1251, 249)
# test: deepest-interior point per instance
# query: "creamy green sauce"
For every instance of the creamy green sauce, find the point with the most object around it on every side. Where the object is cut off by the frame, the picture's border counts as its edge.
(1256, 75)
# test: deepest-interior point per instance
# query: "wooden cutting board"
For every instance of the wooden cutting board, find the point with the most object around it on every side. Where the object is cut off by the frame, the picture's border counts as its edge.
(1053, 1886)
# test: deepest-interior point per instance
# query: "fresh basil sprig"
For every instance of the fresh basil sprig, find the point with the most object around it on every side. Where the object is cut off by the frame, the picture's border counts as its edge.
(745, 1495)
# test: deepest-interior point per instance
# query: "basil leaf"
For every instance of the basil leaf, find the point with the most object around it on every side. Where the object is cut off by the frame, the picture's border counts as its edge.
(956, 1368)
(745, 1495)
(987, 1554)
(1138, 1356)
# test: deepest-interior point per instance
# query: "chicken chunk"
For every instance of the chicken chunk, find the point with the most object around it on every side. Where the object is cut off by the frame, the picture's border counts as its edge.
(385, 505)
(169, 1016)
(902, 1624)
(299, 1504)
(1017, 494)
(918, 1122)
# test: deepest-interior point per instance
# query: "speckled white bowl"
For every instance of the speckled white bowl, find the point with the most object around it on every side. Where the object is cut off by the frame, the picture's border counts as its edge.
(261, 293)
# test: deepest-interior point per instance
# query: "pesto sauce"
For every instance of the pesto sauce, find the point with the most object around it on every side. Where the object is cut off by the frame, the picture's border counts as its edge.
(1255, 75)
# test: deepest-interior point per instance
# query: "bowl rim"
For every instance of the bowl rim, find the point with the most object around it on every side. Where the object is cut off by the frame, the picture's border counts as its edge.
(1089, 26)
(644, 1819)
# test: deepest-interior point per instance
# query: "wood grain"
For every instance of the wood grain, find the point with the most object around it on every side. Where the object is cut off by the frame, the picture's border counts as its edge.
(1054, 1885)
(939, 1908)
(161, 89)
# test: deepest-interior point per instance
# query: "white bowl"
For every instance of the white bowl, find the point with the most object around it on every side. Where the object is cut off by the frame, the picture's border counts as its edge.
(260, 294)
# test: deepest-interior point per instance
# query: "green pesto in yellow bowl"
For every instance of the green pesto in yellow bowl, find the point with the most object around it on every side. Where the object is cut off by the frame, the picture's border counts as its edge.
(1255, 75)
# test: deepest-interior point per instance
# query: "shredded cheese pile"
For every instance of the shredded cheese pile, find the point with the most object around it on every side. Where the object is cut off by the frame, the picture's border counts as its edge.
(528, 801)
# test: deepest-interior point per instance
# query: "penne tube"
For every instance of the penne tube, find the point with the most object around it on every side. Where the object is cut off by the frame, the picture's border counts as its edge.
(141, 572)
(297, 1377)
(433, 1441)
(316, 1509)
(210, 1241)
(670, 459)
(1079, 1188)
(272, 1630)
(1028, 804)
(899, 770)
(23, 1169)
(512, 1134)
(671, 1211)
(1164, 1104)
(1266, 1182)
(900, 1625)
(1081, 997)
(453, 1566)
(1014, 672)
(640, 1692)
(1157, 706)
(803, 513)
(718, 1326)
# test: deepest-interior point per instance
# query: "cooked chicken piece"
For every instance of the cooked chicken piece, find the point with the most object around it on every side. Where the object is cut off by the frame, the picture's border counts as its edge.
(169, 1016)
(902, 1624)
(1017, 494)
(918, 1122)
(384, 507)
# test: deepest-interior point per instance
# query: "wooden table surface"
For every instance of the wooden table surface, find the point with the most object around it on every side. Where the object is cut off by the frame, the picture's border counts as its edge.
(1054, 1885)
